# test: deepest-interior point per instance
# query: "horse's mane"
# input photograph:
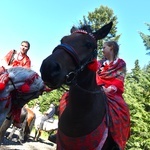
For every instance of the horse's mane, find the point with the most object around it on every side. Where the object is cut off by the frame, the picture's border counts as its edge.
(84, 27)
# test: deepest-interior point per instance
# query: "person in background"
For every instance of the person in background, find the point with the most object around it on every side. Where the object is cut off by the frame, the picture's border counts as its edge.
(20, 59)
(47, 115)
(14, 58)
(111, 75)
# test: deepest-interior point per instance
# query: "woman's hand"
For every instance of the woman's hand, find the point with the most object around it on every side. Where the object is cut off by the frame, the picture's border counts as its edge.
(109, 89)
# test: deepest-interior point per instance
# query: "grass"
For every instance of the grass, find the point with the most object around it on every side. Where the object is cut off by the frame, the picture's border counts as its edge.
(44, 134)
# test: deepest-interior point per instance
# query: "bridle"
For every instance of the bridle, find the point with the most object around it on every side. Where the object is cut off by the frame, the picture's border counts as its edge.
(71, 76)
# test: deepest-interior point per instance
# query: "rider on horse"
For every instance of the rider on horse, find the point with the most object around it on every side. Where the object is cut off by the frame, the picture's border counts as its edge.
(47, 115)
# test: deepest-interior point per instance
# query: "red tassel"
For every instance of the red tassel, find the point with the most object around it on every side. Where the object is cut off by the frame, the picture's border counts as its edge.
(2, 86)
(93, 66)
(25, 88)
(3, 81)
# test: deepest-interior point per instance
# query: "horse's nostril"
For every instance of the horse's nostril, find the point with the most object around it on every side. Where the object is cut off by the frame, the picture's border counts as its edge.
(54, 69)
(49, 70)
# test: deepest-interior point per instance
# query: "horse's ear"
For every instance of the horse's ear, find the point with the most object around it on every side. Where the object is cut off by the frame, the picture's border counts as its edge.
(102, 32)
(73, 29)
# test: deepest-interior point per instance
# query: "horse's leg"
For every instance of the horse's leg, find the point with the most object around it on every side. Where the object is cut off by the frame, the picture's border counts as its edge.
(22, 132)
(37, 134)
(29, 128)
(26, 132)
(38, 128)
(21, 135)
(6, 124)
(32, 124)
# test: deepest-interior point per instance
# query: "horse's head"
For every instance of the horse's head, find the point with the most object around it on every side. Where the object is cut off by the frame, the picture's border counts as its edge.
(22, 84)
(74, 54)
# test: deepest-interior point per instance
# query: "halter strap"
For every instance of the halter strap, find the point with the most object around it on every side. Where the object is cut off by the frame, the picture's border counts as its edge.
(69, 50)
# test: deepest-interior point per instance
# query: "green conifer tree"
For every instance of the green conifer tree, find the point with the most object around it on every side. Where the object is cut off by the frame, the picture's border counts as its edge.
(98, 18)
(146, 39)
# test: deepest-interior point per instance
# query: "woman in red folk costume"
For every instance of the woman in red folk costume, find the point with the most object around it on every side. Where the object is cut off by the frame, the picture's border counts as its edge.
(18, 59)
(14, 58)
(111, 75)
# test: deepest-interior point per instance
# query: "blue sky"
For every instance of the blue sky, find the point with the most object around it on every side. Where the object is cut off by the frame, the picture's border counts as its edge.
(44, 22)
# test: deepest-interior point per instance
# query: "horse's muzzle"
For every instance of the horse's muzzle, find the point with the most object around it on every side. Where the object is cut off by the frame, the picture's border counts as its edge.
(51, 73)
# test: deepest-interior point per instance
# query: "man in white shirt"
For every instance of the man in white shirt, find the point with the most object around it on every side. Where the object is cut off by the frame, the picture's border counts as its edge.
(47, 115)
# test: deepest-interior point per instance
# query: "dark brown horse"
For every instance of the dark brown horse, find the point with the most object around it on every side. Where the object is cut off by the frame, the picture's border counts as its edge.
(83, 119)
(25, 126)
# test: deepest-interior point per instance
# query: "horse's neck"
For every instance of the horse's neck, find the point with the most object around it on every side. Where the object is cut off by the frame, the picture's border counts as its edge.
(87, 80)
(86, 102)
(79, 95)
(85, 92)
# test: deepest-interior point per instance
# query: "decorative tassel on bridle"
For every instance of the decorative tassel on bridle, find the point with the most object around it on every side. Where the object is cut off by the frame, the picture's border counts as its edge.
(26, 86)
(4, 78)
(93, 66)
